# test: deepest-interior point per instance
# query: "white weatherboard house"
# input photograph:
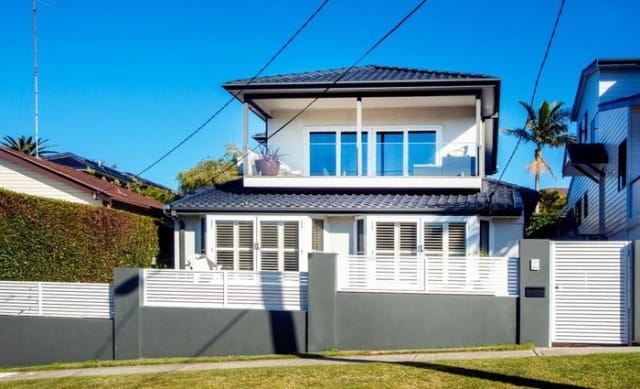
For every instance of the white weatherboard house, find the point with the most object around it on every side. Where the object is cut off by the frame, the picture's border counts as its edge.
(604, 194)
(386, 162)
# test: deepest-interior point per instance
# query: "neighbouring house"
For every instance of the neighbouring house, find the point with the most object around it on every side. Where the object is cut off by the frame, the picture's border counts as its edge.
(101, 170)
(604, 194)
(23, 173)
(387, 161)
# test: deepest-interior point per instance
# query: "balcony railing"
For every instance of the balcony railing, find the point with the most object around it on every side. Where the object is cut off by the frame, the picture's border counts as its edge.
(392, 160)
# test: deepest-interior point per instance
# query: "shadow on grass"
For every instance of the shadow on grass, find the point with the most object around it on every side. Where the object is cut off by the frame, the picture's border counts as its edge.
(455, 370)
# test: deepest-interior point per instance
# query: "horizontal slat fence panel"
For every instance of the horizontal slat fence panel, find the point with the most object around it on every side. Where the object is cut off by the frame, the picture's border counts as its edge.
(56, 299)
(453, 275)
(271, 290)
(590, 292)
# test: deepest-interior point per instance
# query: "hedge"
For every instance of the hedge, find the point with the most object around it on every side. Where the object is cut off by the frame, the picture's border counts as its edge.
(51, 240)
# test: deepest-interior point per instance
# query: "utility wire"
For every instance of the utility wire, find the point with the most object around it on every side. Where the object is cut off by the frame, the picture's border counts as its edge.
(228, 102)
(535, 85)
(334, 82)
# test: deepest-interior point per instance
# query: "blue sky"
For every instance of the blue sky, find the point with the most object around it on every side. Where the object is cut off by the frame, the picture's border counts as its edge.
(124, 81)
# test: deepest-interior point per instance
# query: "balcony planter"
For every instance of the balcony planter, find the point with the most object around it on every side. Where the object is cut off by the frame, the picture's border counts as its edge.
(267, 167)
(268, 164)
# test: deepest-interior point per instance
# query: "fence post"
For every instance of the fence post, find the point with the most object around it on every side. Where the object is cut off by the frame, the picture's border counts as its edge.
(535, 297)
(40, 310)
(126, 315)
(321, 333)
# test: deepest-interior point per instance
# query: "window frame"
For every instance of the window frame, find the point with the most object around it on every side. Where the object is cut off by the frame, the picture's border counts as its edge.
(622, 165)
(370, 164)
(304, 241)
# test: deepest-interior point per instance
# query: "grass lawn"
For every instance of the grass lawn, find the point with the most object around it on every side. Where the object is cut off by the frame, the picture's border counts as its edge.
(600, 371)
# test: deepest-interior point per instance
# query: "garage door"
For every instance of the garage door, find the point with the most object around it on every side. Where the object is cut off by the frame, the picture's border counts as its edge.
(590, 297)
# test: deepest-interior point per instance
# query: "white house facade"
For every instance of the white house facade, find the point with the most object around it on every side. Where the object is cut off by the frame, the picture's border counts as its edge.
(604, 194)
(375, 161)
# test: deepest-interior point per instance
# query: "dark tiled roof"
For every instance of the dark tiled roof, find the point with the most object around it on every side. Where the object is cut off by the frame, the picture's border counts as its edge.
(91, 183)
(84, 164)
(368, 73)
(234, 197)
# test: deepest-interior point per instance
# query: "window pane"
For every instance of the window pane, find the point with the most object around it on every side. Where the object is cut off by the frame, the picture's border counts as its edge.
(422, 149)
(389, 153)
(348, 154)
(322, 153)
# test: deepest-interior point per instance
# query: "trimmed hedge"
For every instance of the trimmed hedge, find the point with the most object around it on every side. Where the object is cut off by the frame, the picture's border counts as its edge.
(51, 240)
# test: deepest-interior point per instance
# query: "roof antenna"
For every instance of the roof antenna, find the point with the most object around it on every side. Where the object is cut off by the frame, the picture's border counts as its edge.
(35, 76)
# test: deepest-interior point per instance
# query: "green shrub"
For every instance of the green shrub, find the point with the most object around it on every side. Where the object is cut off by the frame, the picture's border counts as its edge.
(50, 240)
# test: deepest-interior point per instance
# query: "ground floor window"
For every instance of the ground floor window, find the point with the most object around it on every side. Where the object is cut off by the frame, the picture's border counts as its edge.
(420, 237)
(256, 244)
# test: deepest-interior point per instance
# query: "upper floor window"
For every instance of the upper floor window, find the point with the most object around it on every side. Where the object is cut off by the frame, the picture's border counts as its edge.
(401, 152)
(622, 165)
(594, 129)
(335, 153)
(583, 129)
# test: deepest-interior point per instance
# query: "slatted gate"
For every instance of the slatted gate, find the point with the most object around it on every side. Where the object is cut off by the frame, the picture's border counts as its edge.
(590, 292)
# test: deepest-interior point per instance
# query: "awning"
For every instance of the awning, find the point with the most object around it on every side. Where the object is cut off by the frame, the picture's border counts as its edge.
(584, 160)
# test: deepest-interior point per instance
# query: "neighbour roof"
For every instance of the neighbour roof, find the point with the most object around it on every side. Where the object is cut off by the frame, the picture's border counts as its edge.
(106, 189)
(595, 66)
(368, 73)
(234, 197)
(81, 163)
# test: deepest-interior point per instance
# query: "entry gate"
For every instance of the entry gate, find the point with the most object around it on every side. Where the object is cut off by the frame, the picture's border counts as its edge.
(590, 292)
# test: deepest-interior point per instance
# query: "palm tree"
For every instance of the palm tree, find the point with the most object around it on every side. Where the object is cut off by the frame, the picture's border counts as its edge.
(27, 145)
(546, 127)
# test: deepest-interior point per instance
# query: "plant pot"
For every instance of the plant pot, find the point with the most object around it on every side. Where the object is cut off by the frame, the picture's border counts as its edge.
(267, 167)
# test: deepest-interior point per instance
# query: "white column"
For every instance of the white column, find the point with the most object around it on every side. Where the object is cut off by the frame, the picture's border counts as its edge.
(358, 135)
(479, 139)
(246, 163)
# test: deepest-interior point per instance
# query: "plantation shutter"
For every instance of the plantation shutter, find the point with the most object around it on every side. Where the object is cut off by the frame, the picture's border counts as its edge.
(234, 244)
(279, 245)
(433, 243)
(396, 239)
(385, 238)
(457, 239)
(291, 246)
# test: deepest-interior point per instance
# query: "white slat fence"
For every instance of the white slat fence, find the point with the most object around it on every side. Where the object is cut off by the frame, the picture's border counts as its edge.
(590, 292)
(496, 276)
(271, 290)
(56, 299)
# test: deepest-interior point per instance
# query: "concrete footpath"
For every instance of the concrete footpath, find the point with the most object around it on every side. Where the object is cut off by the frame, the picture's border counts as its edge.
(310, 361)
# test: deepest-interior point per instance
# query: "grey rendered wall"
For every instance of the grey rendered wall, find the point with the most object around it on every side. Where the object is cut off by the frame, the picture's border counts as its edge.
(165, 332)
(43, 340)
(168, 332)
(535, 306)
(395, 321)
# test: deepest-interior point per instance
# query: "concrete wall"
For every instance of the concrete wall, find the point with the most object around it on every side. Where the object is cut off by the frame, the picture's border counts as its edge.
(180, 332)
(41, 340)
(396, 321)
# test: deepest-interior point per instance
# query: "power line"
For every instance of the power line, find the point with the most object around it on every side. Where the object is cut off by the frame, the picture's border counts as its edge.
(535, 85)
(334, 82)
(226, 104)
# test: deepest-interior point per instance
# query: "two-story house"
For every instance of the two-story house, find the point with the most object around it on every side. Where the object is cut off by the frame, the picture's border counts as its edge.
(386, 161)
(604, 194)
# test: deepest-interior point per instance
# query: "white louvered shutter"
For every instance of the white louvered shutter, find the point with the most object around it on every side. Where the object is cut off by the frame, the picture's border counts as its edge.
(385, 238)
(279, 245)
(457, 240)
(396, 238)
(433, 243)
(234, 244)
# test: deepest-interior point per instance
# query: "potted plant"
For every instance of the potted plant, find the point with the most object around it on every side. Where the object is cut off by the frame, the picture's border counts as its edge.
(268, 163)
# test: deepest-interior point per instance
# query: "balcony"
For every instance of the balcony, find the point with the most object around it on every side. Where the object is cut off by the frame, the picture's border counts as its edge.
(329, 164)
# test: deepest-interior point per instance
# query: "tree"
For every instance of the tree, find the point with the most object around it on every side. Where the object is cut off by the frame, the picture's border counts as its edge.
(27, 145)
(543, 225)
(153, 192)
(546, 127)
(211, 171)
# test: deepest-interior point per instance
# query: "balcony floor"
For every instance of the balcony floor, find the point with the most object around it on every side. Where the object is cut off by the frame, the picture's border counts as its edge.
(453, 182)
